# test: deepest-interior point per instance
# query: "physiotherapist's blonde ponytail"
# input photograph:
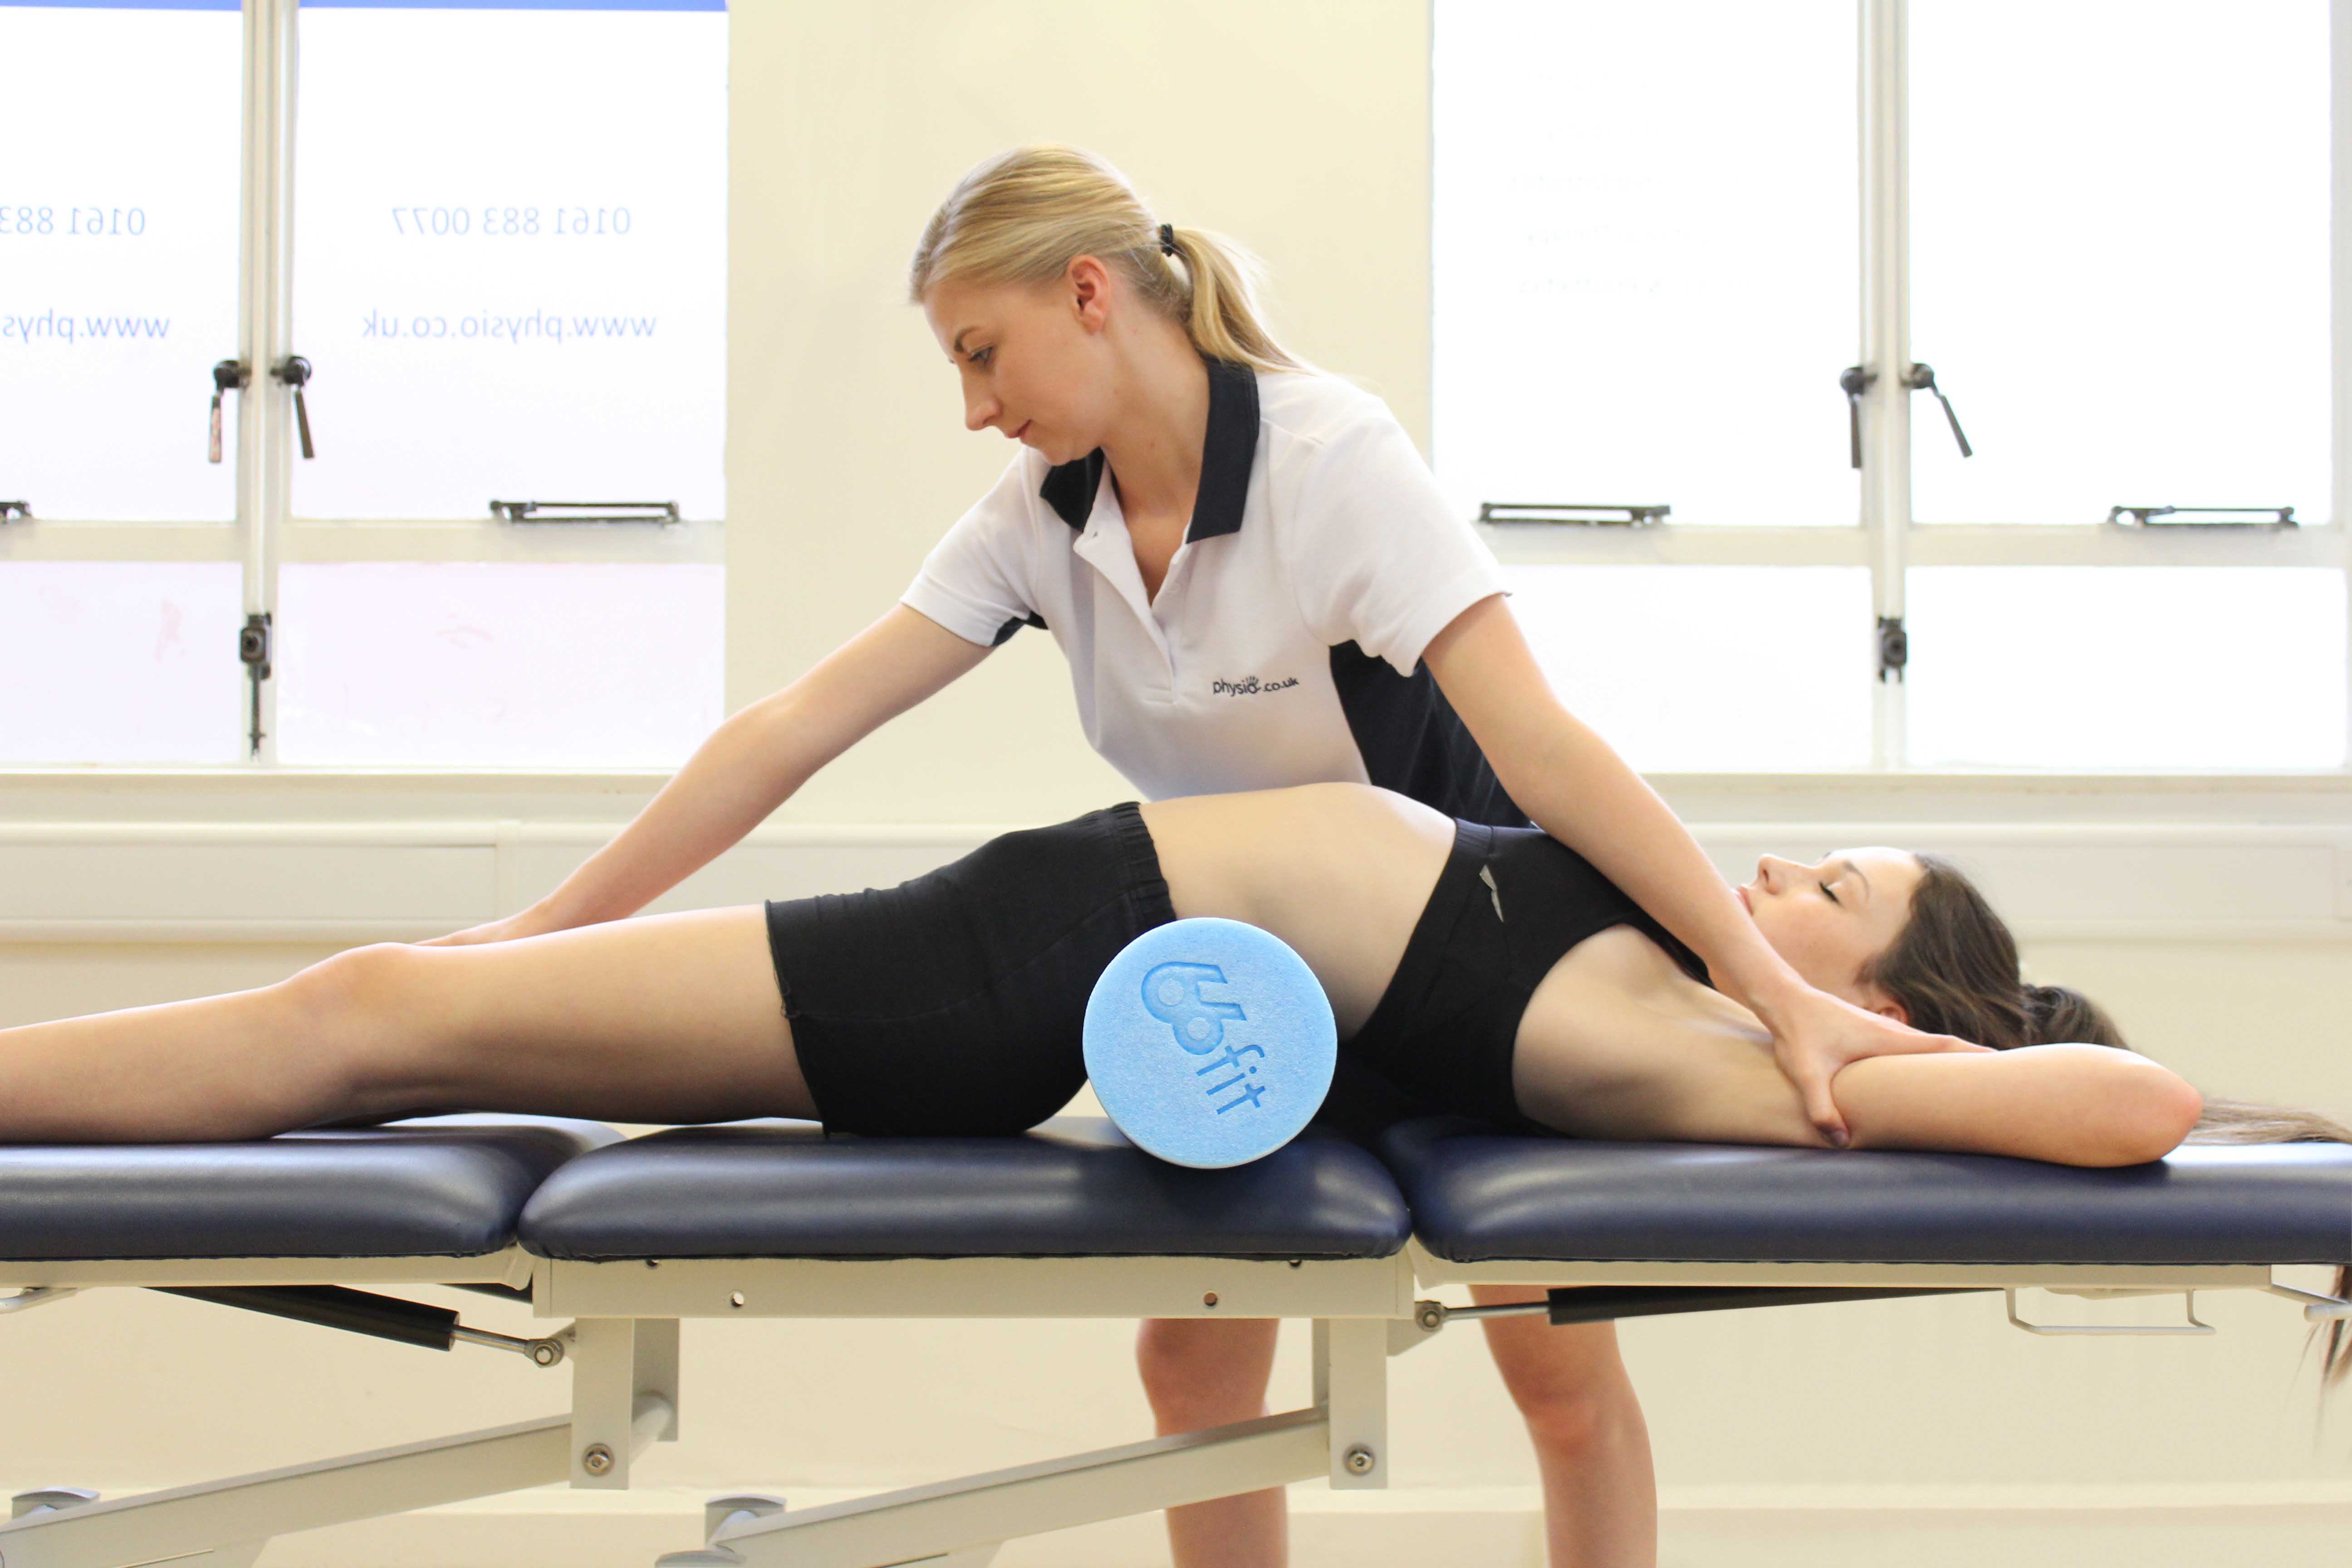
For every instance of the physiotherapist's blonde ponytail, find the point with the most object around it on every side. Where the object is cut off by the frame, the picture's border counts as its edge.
(1024, 216)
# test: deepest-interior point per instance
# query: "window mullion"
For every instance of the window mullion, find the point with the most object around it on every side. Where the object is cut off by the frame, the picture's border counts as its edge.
(1886, 346)
(2339, 201)
(265, 279)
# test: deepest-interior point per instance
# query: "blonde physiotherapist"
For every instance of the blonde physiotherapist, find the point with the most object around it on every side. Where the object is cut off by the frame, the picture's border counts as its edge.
(1256, 583)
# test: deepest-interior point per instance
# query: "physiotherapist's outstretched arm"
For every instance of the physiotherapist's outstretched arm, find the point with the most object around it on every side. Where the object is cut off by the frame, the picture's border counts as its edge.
(1579, 790)
(751, 765)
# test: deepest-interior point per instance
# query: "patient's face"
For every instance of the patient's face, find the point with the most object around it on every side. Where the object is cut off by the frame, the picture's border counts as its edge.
(1831, 917)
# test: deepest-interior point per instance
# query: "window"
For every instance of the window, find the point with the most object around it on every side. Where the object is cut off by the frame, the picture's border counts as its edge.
(493, 283)
(2113, 248)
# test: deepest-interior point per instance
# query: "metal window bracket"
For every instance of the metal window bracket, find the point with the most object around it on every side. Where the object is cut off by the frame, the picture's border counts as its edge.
(252, 652)
(662, 513)
(2202, 517)
(1893, 647)
(1574, 514)
(2112, 1330)
(15, 509)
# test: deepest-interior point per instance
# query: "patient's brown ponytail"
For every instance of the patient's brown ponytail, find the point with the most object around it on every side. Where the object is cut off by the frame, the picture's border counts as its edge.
(1954, 969)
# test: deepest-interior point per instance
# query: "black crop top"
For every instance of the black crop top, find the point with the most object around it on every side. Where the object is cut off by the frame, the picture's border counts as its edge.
(1510, 903)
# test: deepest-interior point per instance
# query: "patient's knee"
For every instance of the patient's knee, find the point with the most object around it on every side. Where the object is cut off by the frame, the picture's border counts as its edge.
(1205, 1372)
(359, 984)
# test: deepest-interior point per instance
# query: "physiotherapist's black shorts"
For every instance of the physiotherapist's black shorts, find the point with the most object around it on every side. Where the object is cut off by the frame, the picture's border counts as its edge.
(955, 1003)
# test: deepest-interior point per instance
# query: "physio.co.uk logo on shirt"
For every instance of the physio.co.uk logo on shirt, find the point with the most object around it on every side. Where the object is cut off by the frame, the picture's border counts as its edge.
(1251, 686)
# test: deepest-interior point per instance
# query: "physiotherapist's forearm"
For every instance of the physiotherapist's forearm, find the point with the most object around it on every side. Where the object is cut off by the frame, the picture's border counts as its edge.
(1575, 786)
(754, 762)
(747, 767)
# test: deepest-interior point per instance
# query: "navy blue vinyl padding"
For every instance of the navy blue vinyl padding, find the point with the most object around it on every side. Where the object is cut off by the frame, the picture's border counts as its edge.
(442, 1186)
(1479, 1196)
(1072, 1187)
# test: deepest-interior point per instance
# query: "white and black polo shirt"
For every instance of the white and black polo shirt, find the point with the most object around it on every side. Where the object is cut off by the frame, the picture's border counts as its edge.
(1285, 646)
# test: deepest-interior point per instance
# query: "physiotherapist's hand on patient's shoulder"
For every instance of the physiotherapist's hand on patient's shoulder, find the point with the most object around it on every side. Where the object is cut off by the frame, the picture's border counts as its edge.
(1816, 1036)
(1575, 787)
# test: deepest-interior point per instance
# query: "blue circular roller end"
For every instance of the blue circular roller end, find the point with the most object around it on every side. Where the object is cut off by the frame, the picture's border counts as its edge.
(1210, 1042)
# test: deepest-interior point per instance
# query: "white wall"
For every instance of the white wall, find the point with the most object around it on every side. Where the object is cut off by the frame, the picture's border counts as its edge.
(1923, 1432)
(1300, 128)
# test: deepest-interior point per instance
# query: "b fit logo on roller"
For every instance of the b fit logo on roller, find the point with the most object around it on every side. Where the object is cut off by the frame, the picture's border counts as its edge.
(1171, 994)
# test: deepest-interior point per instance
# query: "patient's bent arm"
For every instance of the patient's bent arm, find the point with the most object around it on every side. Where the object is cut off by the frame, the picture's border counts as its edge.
(2069, 1104)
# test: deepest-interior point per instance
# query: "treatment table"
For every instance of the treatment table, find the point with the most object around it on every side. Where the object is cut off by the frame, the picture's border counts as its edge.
(627, 1238)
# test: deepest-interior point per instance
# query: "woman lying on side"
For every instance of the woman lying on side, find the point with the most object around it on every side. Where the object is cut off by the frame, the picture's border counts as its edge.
(1487, 970)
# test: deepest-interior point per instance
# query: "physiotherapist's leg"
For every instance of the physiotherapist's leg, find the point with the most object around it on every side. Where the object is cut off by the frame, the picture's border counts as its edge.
(1592, 1448)
(1201, 1372)
(663, 1018)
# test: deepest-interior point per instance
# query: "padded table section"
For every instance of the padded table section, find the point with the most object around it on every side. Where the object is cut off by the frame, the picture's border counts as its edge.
(1480, 1196)
(440, 1186)
(1071, 1187)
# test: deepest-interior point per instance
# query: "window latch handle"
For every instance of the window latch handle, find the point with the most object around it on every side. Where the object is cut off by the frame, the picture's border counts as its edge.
(1922, 378)
(295, 372)
(229, 375)
(1854, 381)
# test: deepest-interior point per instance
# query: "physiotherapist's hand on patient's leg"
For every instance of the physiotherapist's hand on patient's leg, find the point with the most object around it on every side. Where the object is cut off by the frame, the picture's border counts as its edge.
(747, 767)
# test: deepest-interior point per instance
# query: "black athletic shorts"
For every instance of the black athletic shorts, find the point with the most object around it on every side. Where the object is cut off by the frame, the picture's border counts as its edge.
(955, 1003)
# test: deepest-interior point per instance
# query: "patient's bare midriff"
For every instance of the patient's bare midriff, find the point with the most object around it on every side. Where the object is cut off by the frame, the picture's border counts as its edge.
(1338, 872)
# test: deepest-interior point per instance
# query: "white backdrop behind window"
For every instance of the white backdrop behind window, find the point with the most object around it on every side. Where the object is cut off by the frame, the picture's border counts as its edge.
(2176, 667)
(2119, 245)
(121, 662)
(511, 256)
(1707, 669)
(479, 664)
(519, 296)
(118, 258)
(1644, 254)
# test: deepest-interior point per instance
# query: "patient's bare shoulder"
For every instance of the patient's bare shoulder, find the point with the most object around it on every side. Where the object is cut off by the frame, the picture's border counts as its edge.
(1619, 1042)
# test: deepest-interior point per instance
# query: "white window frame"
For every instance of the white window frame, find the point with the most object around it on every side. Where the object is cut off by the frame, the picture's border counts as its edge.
(265, 534)
(1887, 542)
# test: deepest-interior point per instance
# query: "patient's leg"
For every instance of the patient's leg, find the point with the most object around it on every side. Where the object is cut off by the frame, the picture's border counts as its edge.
(662, 1018)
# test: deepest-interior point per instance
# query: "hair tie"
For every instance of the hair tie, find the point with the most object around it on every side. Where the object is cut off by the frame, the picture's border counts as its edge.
(1167, 240)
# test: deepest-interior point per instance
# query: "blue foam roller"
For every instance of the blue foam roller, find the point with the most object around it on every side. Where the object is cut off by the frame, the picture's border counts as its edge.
(1210, 1042)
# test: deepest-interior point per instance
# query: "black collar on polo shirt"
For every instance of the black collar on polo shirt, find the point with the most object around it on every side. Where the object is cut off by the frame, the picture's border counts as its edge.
(1226, 453)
